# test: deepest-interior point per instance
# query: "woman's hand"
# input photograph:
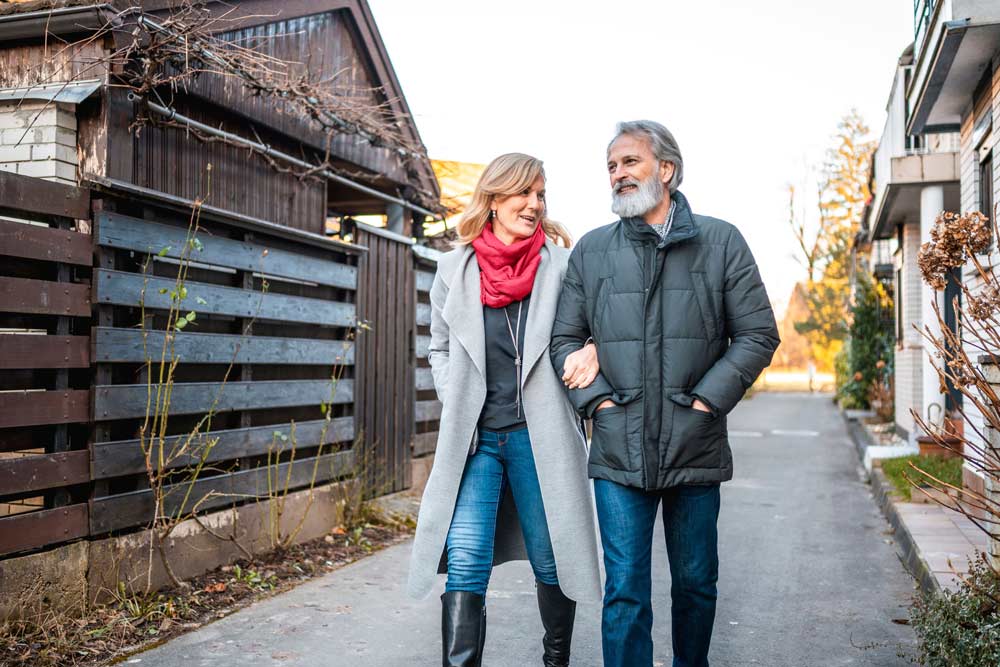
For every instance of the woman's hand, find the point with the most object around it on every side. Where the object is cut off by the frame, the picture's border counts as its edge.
(581, 367)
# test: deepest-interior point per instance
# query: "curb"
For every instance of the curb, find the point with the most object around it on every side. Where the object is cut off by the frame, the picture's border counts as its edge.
(882, 491)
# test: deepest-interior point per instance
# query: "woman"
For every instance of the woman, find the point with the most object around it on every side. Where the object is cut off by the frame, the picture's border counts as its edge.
(510, 471)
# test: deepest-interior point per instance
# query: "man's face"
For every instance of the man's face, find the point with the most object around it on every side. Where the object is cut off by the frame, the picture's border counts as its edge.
(637, 178)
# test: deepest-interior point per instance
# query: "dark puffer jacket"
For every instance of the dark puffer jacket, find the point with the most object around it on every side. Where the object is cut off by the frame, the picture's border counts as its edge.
(675, 319)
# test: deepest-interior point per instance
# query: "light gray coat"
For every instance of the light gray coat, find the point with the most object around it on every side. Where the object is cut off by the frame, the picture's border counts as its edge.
(458, 362)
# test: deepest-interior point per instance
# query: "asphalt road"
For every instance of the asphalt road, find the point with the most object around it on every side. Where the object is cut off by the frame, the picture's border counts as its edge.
(809, 577)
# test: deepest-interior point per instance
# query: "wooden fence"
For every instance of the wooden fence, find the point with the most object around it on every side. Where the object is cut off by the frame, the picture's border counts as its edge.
(88, 277)
(428, 409)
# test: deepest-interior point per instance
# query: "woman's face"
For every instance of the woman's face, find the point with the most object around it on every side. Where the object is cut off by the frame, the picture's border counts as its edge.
(518, 215)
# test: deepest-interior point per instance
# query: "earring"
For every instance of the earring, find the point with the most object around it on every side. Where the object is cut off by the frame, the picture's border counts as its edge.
(493, 214)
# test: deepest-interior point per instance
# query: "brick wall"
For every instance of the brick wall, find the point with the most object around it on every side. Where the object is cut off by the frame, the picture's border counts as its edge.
(39, 139)
(971, 186)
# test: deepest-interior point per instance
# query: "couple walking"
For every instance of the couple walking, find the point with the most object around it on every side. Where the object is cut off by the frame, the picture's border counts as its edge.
(653, 327)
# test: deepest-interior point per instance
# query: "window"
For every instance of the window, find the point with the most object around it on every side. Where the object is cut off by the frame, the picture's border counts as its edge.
(922, 12)
(986, 189)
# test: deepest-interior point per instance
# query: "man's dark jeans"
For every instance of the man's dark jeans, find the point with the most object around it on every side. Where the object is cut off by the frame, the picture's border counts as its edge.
(690, 517)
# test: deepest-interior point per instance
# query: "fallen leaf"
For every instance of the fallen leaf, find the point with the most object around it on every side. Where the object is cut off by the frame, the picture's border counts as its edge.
(901, 621)
(339, 530)
(216, 588)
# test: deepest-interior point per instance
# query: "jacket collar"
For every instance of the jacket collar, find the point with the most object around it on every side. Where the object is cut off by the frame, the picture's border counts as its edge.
(463, 310)
(682, 229)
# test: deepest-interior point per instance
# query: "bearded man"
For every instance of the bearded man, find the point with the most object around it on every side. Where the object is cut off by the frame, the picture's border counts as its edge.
(683, 327)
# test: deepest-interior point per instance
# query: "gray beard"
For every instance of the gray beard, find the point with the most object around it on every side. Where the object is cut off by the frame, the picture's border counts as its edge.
(647, 196)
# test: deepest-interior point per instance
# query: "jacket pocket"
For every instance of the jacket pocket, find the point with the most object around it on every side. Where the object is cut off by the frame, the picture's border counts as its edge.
(609, 441)
(704, 298)
(696, 439)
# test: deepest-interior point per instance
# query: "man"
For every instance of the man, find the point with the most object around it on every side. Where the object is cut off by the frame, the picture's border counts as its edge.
(683, 327)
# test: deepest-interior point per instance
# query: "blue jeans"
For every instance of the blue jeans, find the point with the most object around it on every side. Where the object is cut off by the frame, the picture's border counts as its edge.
(627, 516)
(500, 459)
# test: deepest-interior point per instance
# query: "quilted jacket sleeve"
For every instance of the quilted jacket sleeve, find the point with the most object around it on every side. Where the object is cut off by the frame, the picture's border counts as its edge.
(570, 331)
(751, 328)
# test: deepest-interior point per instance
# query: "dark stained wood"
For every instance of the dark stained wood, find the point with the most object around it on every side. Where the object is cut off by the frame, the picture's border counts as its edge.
(126, 457)
(34, 195)
(126, 289)
(39, 351)
(386, 296)
(43, 297)
(33, 530)
(134, 509)
(121, 231)
(36, 408)
(126, 345)
(45, 243)
(36, 472)
(126, 401)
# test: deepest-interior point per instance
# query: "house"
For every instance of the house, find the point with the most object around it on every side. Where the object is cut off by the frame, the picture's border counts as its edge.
(915, 178)
(938, 153)
(66, 115)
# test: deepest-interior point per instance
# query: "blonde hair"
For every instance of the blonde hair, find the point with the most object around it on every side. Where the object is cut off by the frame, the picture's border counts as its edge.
(507, 175)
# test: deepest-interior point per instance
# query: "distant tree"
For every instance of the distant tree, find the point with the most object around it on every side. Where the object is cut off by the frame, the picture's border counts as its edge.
(842, 193)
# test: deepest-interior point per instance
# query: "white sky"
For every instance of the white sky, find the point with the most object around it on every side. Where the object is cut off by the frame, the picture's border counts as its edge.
(752, 91)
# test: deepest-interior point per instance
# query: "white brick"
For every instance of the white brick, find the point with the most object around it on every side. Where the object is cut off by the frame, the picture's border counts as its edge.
(66, 119)
(8, 166)
(37, 169)
(65, 172)
(20, 153)
(54, 152)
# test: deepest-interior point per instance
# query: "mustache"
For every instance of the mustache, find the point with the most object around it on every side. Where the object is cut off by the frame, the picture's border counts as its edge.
(621, 184)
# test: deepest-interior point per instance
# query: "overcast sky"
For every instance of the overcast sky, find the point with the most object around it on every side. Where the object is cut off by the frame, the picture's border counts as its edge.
(752, 91)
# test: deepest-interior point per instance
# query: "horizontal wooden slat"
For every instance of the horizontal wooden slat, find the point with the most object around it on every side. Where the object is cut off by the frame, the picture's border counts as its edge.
(130, 400)
(427, 411)
(39, 351)
(136, 508)
(126, 345)
(36, 408)
(424, 281)
(424, 379)
(35, 472)
(424, 443)
(120, 231)
(45, 243)
(424, 314)
(33, 530)
(423, 346)
(124, 289)
(43, 297)
(35, 195)
(126, 457)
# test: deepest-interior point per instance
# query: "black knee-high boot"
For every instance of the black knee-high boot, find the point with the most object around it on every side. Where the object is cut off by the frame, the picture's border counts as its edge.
(463, 628)
(558, 613)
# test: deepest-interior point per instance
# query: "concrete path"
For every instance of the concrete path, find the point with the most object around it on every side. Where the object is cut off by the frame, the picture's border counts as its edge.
(809, 577)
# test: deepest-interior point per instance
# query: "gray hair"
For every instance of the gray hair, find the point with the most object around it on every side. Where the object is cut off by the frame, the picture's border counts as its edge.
(661, 141)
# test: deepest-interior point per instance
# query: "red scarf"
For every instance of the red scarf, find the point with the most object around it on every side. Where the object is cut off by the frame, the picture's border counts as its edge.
(507, 272)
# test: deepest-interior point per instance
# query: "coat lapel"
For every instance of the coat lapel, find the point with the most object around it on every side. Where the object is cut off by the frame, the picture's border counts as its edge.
(541, 313)
(463, 310)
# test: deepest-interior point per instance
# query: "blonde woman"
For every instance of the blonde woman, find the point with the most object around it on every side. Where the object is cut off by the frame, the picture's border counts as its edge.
(510, 472)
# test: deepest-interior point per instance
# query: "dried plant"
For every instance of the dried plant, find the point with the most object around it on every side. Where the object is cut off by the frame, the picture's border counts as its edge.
(962, 358)
(157, 56)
